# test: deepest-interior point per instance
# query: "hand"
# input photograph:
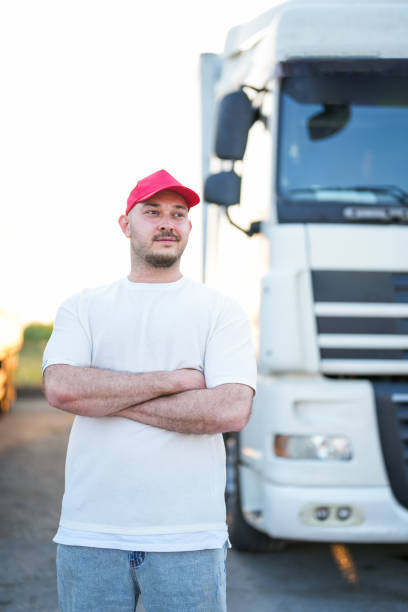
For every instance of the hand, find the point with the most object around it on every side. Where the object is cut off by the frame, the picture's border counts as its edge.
(190, 379)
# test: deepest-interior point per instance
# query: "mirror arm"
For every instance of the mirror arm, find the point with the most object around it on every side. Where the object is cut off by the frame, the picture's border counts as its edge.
(258, 116)
(254, 228)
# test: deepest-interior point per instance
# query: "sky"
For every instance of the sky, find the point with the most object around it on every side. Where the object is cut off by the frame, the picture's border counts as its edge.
(96, 94)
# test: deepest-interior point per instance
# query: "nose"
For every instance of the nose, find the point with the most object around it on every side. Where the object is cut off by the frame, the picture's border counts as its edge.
(166, 224)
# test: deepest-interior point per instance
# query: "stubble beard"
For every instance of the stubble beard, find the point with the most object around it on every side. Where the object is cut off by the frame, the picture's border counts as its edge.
(161, 260)
(156, 260)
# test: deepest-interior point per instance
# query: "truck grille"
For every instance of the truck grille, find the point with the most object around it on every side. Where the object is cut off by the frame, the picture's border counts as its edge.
(362, 321)
(392, 412)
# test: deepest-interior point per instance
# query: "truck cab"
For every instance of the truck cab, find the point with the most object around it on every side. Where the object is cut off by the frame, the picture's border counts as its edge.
(305, 142)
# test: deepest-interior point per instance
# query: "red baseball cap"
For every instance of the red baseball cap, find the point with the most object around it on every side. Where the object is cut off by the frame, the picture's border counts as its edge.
(159, 181)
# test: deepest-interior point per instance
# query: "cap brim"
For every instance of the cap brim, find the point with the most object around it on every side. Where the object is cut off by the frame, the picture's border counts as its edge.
(190, 196)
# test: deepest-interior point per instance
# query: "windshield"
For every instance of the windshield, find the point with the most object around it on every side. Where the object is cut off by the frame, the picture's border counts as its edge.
(344, 139)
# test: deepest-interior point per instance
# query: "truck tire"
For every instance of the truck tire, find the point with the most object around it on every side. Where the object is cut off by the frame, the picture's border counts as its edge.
(242, 535)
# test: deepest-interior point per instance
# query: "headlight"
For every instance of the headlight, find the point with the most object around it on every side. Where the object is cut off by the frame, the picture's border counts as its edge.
(323, 448)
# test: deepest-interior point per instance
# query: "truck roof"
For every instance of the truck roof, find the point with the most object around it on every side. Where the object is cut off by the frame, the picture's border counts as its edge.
(295, 29)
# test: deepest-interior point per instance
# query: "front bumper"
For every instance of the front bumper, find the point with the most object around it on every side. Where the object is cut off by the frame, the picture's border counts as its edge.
(285, 509)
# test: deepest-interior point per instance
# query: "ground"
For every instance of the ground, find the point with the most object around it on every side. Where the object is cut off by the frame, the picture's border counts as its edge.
(302, 578)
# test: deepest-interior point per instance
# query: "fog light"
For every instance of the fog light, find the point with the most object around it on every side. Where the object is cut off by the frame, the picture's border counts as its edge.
(322, 513)
(323, 448)
(343, 513)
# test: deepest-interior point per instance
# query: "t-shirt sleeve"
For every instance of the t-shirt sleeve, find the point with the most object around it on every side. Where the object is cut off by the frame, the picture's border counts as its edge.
(70, 342)
(229, 355)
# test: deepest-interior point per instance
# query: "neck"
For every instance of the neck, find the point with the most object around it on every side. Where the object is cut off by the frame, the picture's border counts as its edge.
(150, 274)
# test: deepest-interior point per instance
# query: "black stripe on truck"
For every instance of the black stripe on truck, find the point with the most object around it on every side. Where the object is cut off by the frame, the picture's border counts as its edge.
(356, 353)
(361, 325)
(352, 286)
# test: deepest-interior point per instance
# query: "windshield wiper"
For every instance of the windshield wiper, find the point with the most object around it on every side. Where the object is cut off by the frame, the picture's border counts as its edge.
(393, 191)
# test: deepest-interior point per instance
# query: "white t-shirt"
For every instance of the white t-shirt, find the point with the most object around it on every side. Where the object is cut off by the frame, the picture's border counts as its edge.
(129, 485)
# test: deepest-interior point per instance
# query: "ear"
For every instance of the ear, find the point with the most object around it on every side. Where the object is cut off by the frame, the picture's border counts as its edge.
(191, 225)
(124, 225)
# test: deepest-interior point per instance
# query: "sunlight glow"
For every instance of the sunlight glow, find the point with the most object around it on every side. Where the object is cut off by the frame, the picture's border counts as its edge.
(95, 96)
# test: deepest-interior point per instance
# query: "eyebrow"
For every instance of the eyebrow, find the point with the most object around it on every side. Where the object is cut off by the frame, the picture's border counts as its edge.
(155, 205)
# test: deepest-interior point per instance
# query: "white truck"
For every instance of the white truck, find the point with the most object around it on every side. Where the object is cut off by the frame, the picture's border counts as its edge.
(305, 126)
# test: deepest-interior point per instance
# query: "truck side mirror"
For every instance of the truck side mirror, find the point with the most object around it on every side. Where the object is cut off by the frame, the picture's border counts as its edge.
(235, 117)
(223, 188)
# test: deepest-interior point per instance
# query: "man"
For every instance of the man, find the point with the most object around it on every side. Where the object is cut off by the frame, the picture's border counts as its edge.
(155, 366)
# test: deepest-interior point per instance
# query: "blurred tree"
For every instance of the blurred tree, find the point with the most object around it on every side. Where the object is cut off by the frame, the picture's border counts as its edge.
(28, 373)
(35, 332)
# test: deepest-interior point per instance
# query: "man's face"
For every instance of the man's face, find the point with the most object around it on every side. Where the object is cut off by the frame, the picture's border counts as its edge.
(158, 229)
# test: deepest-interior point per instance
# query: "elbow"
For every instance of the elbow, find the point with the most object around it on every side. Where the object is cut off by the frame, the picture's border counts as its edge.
(241, 408)
(57, 394)
(56, 397)
(240, 420)
(237, 419)
(233, 408)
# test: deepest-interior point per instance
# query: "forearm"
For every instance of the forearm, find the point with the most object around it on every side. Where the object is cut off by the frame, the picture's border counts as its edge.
(100, 392)
(205, 411)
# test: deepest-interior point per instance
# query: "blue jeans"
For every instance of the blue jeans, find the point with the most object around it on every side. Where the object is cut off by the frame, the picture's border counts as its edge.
(107, 580)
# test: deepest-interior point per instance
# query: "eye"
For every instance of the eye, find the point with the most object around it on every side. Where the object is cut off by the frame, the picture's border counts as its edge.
(151, 212)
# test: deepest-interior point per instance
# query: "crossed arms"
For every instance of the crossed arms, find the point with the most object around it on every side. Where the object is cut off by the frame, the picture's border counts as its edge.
(174, 400)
